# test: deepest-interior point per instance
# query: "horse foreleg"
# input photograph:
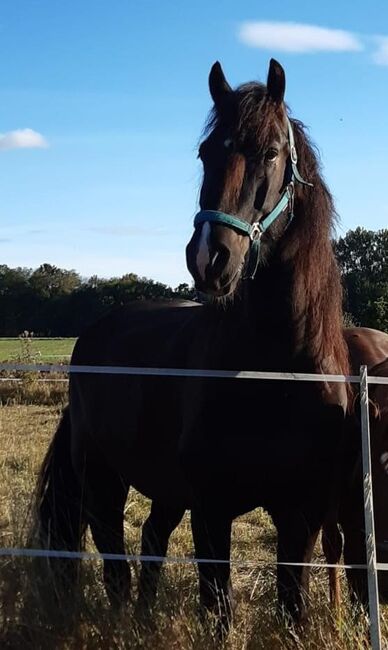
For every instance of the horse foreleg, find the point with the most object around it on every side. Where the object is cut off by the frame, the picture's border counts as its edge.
(106, 496)
(353, 526)
(332, 548)
(212, 539)
(156, 532)
(297, 534)
(355, 553)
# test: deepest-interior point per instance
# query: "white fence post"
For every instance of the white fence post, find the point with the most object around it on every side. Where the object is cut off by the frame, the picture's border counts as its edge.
(373, 589)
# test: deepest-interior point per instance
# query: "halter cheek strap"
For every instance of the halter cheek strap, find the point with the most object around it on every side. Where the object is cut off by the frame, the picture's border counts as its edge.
(255, 230)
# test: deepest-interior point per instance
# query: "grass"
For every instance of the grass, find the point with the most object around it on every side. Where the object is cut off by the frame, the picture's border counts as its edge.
(41, 349)
(30, 389)
(29, 617)
(19, 387)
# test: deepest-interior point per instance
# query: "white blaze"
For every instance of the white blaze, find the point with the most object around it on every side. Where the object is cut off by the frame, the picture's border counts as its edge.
(203, 255)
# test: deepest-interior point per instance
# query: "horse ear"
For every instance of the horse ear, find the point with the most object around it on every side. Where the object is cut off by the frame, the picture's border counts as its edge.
(218, 86)
(276, 82)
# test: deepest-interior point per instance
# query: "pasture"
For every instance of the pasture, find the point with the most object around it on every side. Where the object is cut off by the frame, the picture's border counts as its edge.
(31, 619)
(47, 350)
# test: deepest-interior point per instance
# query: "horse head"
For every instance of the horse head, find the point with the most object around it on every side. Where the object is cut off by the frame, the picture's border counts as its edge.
(249, 162)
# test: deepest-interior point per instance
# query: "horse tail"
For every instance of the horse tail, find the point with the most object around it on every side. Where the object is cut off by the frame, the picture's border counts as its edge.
(59, 520)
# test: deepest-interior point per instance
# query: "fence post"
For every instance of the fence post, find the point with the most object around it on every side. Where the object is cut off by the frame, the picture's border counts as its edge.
(373, 589)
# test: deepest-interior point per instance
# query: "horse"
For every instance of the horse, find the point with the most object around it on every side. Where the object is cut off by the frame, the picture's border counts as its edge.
(379, 450)
(350, 512)
(367, 347)
(261, 249)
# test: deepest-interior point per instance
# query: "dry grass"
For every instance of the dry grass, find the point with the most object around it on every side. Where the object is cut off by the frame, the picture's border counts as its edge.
(30, 617)
(30, 389)
(18, 387)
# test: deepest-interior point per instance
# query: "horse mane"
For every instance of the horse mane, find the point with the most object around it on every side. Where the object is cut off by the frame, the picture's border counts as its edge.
(307, 245)
(317, 293)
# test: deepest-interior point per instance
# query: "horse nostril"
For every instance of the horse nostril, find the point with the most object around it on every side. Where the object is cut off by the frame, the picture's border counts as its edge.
(219, 260)
(214, 258)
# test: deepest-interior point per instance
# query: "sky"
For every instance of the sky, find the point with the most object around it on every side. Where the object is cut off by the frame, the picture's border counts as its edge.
(102, 105)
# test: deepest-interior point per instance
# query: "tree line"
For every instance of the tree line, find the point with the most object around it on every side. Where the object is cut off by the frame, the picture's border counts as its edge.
(50, 301)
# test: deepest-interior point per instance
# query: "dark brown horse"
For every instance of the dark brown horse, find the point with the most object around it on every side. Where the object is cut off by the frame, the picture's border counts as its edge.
(366, 347)
(379, 448)
(351, 510)
(219, 447)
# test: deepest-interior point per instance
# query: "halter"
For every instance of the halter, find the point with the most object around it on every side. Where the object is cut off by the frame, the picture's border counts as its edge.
(255, 230)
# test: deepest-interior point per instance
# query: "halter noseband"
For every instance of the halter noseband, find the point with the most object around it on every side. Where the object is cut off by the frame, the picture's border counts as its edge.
(255, 230)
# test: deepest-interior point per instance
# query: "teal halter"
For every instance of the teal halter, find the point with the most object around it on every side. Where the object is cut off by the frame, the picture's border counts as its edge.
(255, 230)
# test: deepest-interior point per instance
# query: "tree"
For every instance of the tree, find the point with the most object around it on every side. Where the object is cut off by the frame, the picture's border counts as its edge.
(183, 290)
(363, 259)
(16, 300)
(49, 281)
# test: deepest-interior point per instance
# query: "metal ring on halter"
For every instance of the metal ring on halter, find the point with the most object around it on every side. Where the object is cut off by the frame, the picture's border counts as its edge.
(256, 231)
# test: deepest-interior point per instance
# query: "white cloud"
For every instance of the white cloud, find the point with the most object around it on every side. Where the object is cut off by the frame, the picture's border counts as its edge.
(380, 56)
(22, 139)
(297, 37)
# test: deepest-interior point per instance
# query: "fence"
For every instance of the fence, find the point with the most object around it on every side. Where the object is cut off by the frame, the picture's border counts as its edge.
(363, 379)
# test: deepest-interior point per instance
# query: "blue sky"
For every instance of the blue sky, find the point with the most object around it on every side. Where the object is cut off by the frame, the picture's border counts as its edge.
(102, 105)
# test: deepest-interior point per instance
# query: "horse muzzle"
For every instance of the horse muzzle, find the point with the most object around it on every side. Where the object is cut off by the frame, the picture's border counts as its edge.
(215, 262)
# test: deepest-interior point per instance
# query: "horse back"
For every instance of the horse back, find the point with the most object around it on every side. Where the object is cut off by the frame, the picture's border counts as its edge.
(132, 422)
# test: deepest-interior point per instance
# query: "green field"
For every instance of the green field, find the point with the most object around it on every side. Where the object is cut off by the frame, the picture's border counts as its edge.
(45, 349)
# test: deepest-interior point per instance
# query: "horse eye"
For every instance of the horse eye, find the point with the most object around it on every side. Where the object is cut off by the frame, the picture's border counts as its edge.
(228, 143)
(271, 155)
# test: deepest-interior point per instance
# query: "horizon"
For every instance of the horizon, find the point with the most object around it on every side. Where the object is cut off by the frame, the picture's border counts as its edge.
(87, 278)
(102, 109)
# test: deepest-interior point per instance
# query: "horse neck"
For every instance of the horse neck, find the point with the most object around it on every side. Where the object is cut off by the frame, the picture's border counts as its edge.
(266, 299)
(304, 323)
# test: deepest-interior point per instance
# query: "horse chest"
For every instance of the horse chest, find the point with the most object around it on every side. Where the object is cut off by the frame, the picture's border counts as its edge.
(258, 439)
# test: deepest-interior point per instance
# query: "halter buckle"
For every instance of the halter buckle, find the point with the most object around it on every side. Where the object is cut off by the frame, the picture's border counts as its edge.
(293, 154)
(255, 232)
